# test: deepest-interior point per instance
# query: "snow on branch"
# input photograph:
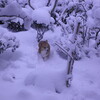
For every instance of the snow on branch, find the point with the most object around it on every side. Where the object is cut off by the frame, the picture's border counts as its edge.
(63, 50)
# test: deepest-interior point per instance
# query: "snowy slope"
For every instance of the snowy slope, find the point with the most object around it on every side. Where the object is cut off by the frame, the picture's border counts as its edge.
(25, 76)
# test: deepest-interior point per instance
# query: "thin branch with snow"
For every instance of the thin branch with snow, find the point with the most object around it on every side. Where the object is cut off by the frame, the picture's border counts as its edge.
(54, 6)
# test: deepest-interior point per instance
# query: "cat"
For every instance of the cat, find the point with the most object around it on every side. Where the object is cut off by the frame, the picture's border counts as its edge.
(44, 49)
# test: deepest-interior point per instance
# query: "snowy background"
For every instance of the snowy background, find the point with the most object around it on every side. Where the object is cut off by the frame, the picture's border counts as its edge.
(23, 73)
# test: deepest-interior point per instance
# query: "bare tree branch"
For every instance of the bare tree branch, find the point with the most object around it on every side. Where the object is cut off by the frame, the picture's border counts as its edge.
(29, 2)
(54, 6)
(48, 2)
(13, 16)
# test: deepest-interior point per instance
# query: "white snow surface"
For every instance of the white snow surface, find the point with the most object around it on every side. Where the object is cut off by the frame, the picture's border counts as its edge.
(42, 16)
(25, 76)
(38, 3)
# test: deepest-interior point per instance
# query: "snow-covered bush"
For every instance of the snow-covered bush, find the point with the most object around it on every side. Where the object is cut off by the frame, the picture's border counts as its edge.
(8, 41)
(13, 11)
(80, 24)
(30, 14)
(15, 26)
(3, 3)
(42, 21)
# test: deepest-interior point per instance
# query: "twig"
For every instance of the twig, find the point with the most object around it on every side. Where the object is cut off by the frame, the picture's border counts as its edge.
(54, 6)
(29, 2)
(48, 2)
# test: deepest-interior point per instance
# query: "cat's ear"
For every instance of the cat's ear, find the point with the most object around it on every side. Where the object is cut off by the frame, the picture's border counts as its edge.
(46, 40)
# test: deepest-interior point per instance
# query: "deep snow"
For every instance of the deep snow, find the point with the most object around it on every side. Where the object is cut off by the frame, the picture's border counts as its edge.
(25, 76)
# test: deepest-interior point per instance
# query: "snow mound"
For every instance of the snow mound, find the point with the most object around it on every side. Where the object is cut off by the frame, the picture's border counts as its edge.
(42, 16)
(8, 9)
(38, 3)
(47, 79)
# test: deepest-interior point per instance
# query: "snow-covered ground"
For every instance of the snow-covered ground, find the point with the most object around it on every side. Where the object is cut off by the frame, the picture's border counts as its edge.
(25, 76)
